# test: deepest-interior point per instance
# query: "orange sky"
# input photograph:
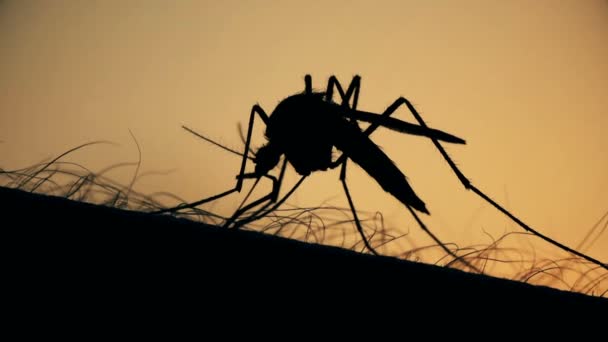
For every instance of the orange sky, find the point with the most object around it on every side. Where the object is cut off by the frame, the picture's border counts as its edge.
(524, 82)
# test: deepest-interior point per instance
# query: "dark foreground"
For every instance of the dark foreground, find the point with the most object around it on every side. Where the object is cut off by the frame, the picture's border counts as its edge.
(74, 254)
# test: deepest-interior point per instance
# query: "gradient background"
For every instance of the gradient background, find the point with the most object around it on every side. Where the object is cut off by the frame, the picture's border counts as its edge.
(524, 82)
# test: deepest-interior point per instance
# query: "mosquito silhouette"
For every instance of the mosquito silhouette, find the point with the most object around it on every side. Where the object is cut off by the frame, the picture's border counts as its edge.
(306, 127)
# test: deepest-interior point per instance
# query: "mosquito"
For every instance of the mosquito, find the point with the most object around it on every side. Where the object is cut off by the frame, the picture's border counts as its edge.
(304, 129)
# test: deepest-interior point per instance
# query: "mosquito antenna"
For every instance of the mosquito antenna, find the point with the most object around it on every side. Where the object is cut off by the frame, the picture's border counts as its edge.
(215, 143)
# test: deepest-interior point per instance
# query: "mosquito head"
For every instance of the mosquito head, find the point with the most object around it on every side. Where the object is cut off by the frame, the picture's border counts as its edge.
(266, 159)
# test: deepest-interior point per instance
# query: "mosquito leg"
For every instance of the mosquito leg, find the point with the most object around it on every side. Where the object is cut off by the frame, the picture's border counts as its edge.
(269, 199)
(308, 84)
(352, 208)
(256, 109)
(437, 241)
(467, 184)
(374, 125)
(243, 140)
(353, 89)
(329, 92)
(370, 129)
(262, 212)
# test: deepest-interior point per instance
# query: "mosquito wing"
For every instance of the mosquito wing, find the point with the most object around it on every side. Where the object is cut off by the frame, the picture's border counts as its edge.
(404, 127)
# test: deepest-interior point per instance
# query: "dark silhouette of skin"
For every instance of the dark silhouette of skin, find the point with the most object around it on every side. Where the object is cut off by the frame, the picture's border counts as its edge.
(306, 127)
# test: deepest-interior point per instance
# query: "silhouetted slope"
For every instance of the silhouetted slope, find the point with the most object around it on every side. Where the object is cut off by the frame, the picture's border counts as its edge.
(70, 252)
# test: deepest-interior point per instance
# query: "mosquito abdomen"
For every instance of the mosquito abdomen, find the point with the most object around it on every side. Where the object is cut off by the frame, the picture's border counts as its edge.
(358, 147)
